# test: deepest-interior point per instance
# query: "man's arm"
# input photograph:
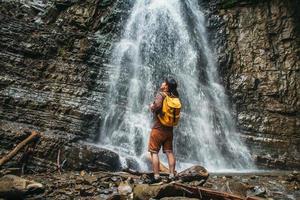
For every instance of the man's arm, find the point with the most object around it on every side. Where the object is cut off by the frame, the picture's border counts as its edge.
(157, 104)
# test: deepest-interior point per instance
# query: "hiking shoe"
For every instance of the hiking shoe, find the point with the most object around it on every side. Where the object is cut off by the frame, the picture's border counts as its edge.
(171, 178)
(156, 181)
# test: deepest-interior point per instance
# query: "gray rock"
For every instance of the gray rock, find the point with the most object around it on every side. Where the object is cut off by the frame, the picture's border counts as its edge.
(14, 187)
(194, 173)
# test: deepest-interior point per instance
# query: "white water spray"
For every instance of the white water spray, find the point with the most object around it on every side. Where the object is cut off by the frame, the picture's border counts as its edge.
(168, 37)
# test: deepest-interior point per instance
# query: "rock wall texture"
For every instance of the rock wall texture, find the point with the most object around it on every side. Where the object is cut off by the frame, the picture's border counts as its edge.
(258, 45)
(53, 73)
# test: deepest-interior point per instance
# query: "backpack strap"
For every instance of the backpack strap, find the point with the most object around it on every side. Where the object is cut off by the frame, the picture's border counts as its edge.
(164, 94)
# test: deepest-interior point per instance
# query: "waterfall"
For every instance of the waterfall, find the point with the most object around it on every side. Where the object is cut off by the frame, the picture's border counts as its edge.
(160, 38)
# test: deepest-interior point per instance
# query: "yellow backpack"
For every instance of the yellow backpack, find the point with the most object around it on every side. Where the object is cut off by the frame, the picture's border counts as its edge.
(170, 111)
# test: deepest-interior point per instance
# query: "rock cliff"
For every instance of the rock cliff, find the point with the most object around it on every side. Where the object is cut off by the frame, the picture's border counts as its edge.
(53, 76)
(258, 47)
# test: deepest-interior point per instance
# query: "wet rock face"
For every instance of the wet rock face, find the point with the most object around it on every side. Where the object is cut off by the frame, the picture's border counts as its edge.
(258, 47)
(53, 77)
(52, 59)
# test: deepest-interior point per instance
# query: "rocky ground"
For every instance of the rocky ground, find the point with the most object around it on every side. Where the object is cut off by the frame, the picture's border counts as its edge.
(269, 185)
(123, 185)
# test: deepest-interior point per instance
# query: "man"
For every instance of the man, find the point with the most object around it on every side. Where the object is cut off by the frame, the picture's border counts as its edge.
(162, 135)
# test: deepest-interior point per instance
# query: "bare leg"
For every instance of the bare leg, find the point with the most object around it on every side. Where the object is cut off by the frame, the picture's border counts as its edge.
(171, 161)
(155, 163)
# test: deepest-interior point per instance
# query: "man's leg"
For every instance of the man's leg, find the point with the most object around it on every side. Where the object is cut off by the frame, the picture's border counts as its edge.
(171, 161)
(155, 164)
(168, 150)
(153, 148)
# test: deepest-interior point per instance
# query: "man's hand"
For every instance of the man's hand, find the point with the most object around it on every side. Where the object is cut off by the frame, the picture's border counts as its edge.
(152, 106)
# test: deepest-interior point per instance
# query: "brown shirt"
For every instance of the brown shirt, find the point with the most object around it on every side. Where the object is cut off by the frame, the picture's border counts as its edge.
(156, 109)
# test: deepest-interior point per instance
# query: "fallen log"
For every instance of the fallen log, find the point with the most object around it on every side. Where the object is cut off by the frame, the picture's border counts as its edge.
(204, 193)
(27, 155)
(145, 191)
(20, 146)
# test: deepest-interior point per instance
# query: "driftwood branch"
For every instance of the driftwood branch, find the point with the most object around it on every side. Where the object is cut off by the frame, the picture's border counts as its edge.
(162, 167)
(20, 146)
(205, 193)
(163, 170)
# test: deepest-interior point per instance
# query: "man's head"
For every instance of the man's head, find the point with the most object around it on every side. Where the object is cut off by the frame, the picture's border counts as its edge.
(169, 85)
(164, 87)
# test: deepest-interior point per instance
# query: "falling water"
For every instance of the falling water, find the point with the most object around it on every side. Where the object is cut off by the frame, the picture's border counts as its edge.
(168, 37)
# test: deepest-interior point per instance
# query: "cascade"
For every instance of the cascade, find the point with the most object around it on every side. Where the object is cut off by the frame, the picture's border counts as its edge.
(168, 37)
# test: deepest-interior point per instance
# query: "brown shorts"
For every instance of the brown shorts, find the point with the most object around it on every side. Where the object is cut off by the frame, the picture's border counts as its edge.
(160, 138)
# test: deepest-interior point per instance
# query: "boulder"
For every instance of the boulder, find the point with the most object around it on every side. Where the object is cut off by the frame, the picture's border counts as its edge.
(194, 173)
(145, 191)
(14, 187)
(85, 156)
(74, 155)
(124, 188)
